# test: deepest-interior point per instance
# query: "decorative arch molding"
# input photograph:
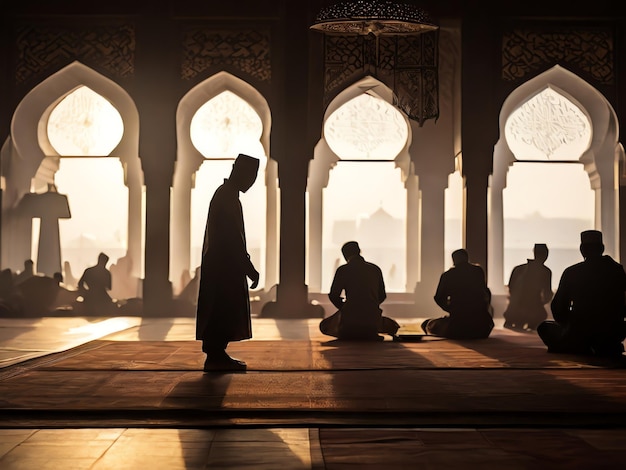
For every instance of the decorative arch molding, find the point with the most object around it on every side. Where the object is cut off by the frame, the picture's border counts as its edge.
(600, 160)
(30, 151)
(205, 91)
(325, 159)
(189, 160)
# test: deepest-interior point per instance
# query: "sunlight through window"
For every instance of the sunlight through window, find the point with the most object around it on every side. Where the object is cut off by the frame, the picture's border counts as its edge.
(559, 207)
(547, 201)
(366, 200)
(98, 203)
(453, 217)
(84, 124)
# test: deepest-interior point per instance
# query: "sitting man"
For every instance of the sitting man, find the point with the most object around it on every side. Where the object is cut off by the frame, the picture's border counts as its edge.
(94, 286)
(359, 317)
(530, 289)
(588, 306)
(463, 293)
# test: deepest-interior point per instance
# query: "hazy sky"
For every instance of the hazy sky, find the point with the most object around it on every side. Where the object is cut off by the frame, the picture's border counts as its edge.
(551, 189)
(98, 203)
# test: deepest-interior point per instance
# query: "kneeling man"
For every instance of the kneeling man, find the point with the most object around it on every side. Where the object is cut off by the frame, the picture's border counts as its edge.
(359, 316)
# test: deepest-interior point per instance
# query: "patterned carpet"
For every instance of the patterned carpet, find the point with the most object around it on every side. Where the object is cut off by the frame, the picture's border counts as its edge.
(507, 380)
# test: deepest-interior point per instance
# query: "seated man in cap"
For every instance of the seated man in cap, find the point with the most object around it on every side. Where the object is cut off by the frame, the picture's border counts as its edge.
(589, 304)
(462, 292)
(530, 289)
(359, 317)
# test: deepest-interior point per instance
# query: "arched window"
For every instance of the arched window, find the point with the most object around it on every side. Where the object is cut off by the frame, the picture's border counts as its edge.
(365, 198)
(555, 173)
(82, 128)
(222, 128)
(84, 124)
(548, 198)
(216, 120)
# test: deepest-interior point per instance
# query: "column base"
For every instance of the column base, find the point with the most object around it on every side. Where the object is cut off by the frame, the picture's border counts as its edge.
(285, 311)
(425, 305)
(292, 301)
(157, 298)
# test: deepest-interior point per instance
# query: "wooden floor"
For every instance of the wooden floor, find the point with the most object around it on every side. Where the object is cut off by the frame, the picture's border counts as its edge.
(138, 399)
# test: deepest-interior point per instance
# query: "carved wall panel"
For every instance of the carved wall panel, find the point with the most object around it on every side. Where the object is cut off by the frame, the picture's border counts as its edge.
(343, 56)
(416, 74)
(40, 47)
(204, 47)
(524, 51)
(408, 64)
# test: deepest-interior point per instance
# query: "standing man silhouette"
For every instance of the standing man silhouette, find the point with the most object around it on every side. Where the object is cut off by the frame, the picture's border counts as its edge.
(588, 306)
(223, 311)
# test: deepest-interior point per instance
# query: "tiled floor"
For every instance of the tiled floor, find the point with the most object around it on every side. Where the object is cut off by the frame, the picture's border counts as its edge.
(291, 445)
(306, 448)
(114, 449)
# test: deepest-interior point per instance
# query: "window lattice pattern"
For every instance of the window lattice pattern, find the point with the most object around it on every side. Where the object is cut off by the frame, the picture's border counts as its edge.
(548, 127)
(366, 128)
(225, 126)
(84, 124)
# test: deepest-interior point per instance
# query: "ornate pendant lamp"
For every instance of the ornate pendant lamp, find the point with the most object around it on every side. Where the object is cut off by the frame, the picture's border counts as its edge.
(363, 17)
(405, 57)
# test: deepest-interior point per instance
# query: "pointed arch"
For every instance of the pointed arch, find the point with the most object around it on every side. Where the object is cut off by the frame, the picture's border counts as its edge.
(29, 138)
(325, 159)
(31, 157)
(600, 161)
(189, 160)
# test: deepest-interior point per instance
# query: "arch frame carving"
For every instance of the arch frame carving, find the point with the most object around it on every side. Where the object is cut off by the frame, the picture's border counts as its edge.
(189, 159)
(325, 159)
(600, 160)
(28, 148)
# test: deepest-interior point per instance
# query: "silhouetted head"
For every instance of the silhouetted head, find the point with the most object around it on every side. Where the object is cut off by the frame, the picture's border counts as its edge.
(103, 259)
(460, 257)
(541, 252)
(591, 244)
(244, 172)
(350, 249)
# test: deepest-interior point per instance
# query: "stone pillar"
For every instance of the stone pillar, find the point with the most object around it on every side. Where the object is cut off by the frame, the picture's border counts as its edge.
(157, 289)
(180, 224)
(292, 292)
(413, 239)
(156, 69)
(272, 211)
(135, 217)
(432, 242)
